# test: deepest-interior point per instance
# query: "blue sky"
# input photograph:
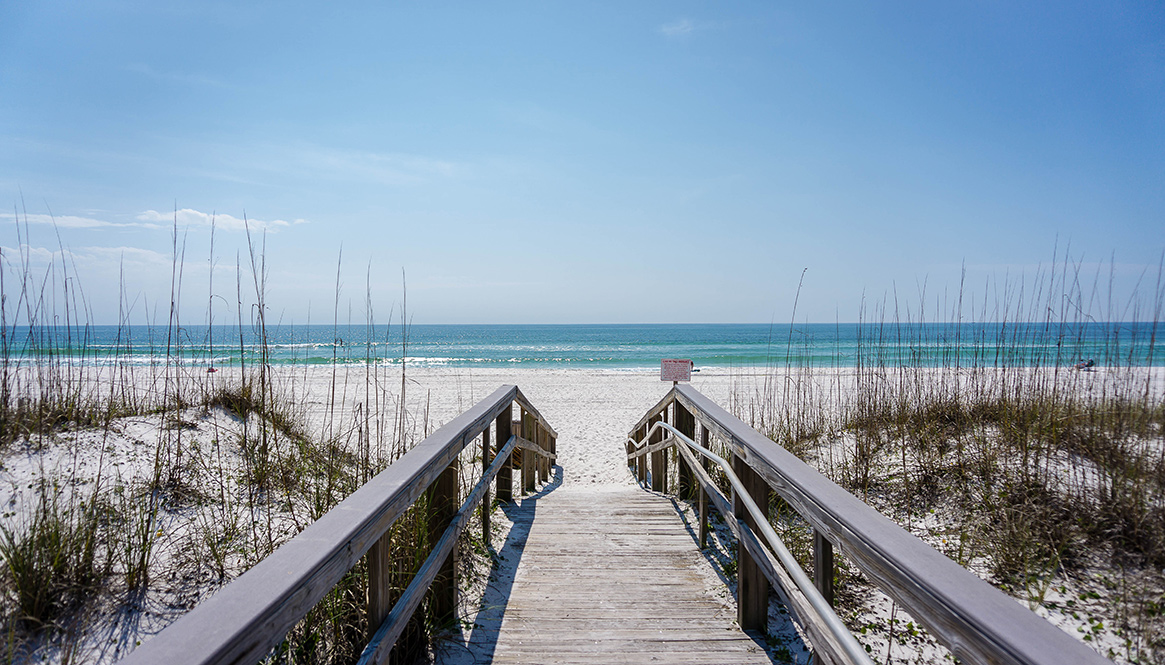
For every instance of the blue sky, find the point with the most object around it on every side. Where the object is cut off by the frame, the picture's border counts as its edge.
(581, 162)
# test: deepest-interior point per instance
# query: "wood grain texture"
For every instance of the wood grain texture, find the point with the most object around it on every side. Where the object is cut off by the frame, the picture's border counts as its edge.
(658, 458)
(486, 460)
(442, 511)
(612, 577)
(685, 422)
(505, 479)
(752, 590)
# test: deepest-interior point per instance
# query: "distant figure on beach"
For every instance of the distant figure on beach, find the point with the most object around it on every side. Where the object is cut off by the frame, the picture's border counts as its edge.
(211, 370)
(1086, 365)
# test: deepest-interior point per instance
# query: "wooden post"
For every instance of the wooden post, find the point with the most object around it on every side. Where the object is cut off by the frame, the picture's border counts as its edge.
(704, 441)
(443, 506)
(685, 422)
(752, 588)
(633, 464)
(703, 519)
(553, 450)
(486, 506)
(380, 599)
(641, 461)
(537, 458)
(505, 474)
(529, 459)
(516, 457)
(543, 462)
(658, 459)
(386, 581)
(823, 566)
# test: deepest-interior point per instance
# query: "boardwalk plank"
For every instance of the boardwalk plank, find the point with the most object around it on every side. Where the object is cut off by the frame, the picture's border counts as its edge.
(612, 577)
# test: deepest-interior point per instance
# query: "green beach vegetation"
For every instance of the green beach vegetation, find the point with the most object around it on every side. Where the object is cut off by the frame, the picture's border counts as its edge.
(1042, 474)
(146, 488)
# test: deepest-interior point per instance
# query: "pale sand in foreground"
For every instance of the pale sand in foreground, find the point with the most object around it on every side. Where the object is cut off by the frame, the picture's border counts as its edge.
(592, 410)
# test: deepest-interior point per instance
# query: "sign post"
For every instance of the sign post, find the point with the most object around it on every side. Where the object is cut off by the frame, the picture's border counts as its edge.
(675, 370)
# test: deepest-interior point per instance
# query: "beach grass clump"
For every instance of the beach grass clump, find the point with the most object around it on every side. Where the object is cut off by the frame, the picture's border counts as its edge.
(33, 418)
(180, 476)
(134, 538)
(251, 397)
(1079, 473)
(53, 561)
(983, 431)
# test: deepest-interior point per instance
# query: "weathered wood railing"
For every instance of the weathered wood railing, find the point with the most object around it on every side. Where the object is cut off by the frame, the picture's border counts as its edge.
(248, 617)
(976, 621)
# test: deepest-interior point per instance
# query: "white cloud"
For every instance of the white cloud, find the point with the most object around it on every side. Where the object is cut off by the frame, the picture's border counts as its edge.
(152, 219)
(678, 28)
(190, 217)
(75, 222)
(33, 255)
(127, 255)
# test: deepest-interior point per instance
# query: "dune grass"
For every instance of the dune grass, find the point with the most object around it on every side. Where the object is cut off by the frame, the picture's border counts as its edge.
(157, 484)
(975, 430)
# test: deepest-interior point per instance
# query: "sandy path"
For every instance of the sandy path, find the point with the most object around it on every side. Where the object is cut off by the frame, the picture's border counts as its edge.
(591, 410)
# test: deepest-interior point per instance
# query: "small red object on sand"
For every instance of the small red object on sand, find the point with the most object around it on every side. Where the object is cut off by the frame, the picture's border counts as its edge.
(211, 370)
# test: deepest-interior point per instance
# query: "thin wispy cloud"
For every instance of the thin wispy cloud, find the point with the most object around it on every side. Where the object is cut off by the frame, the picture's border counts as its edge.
(152, 219)
(76, 222)
(187, 217)
(265, 163)
(89, 257)
(684, 26)
(383, 168)
(175, 77)
(678, 28)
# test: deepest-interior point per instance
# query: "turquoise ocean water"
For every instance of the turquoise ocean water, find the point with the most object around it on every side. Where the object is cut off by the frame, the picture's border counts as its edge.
(615, 346)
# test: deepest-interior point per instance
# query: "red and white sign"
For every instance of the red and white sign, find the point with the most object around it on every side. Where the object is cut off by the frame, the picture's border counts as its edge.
(672, 369)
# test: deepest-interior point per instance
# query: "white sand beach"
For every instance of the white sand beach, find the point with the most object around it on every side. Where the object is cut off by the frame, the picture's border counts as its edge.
(591, 410)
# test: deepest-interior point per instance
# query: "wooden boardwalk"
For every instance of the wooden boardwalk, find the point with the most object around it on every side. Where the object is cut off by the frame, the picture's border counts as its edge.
(594, 574)
(611, 576)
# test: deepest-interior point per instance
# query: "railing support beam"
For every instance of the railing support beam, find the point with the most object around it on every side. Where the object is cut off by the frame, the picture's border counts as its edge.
(658, 459)
(543, 462)
(704, 438)
(442, 509)
(823, 566)
(486, 506)
(641, 462)
(529, 458)
(503, 428)
(379, 582)
(752, 587)
(685, 422)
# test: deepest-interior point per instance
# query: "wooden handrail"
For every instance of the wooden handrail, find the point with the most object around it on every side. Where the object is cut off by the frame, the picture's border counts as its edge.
(382, 640)
(976, 621)
(811, 609)
(252, 614)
